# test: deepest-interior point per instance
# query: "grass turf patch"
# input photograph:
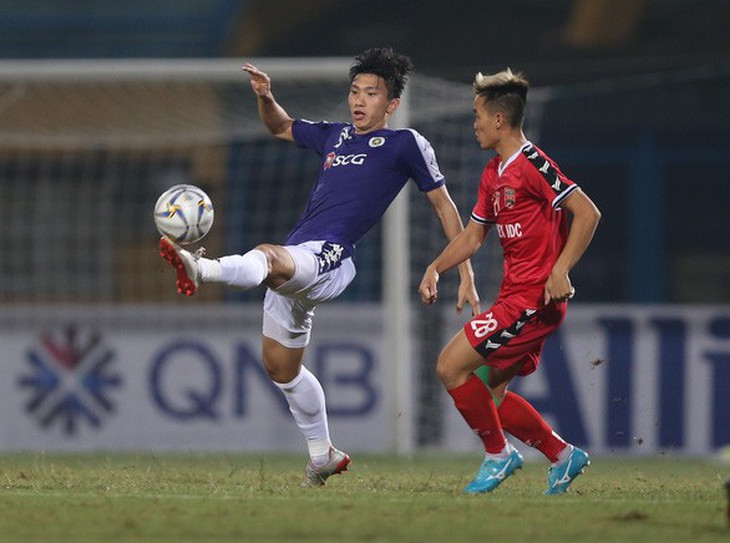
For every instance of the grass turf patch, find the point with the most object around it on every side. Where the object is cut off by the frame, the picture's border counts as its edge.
(256, 497)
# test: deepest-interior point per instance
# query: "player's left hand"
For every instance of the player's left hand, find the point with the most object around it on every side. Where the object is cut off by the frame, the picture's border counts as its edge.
(558, 288)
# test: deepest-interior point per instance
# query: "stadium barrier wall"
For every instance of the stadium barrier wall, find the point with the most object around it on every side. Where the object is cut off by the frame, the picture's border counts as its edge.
(617, 378)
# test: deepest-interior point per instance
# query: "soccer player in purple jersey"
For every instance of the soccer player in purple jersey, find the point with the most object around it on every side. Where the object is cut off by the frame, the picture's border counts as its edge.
(365, 165)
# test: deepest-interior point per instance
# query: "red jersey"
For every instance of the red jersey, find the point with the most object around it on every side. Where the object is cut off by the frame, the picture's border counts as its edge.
(522, 198)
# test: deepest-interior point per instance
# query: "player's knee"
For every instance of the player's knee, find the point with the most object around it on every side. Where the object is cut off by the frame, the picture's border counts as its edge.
(269, 252)
(282, 364)
(281, 265)
(446, 371)
(280, 373)
(272, 371)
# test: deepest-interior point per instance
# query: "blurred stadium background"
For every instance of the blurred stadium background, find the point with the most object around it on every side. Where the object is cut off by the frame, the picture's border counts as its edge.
(104, 105)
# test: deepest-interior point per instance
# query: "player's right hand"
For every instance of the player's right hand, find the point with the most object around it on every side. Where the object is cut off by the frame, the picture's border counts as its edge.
(260, 82)
(428, 288)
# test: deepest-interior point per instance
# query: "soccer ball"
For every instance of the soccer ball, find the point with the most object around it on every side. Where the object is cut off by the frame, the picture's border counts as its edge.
(184, 213)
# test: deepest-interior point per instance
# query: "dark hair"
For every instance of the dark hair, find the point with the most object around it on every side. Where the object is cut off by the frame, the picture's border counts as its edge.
(393, 67)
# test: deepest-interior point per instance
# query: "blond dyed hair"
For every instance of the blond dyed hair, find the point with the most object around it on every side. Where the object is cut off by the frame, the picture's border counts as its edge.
(504, 91)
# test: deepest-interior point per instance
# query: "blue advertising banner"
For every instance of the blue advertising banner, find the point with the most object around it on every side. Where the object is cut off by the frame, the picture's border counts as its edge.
(626, 379)
(639, 379)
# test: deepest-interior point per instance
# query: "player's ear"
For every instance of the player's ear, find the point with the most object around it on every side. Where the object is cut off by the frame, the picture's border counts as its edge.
(392, 106)
(499, 119)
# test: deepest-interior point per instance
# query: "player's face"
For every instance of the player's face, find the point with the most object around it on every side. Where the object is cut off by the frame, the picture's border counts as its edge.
(485, 124)
(369, 103)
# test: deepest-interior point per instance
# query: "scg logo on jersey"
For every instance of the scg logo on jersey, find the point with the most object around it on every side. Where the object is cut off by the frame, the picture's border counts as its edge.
(334, 159)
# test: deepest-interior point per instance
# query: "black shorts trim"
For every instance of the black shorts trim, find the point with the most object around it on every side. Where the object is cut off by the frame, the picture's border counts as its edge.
(501, 337)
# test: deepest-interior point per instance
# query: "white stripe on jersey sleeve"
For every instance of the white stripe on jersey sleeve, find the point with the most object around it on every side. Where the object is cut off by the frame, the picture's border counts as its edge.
(560, 198)
(480, 220)
(428, 154)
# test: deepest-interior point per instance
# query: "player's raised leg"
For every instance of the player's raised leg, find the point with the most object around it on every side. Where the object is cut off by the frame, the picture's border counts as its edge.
(246, 271)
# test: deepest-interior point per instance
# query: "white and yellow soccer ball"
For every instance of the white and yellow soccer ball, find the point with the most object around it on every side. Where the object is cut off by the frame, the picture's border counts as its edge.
(184, 213)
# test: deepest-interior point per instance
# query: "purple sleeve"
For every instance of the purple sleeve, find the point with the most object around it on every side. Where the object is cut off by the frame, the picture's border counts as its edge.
(310, 135)
(419, 161)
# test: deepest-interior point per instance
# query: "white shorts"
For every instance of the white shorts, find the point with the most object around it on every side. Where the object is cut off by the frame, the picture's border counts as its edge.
(288, 310)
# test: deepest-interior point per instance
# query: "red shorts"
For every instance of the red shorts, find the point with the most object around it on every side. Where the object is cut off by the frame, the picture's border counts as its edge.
(508, 332)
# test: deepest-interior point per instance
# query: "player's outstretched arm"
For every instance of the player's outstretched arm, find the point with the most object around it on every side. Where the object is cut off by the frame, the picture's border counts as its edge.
(460, 249)
(274, 116)
(446, 211)
(585, 220)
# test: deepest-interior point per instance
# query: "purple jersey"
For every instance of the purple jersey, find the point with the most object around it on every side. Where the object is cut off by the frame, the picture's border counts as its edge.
(361, 175)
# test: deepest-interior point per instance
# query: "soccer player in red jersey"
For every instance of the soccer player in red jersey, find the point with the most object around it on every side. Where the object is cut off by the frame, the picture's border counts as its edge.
(523, 194)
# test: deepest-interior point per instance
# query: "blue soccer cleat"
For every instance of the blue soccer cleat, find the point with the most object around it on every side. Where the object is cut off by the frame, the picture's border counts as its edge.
(493, 471)
(560, 477)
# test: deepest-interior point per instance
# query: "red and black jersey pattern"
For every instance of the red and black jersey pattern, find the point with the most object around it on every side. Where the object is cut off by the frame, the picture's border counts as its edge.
(503, 336)
(560, 186)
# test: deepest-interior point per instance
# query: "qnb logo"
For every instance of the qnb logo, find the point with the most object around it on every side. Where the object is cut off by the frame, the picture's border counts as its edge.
(333, 159)
(71, 380)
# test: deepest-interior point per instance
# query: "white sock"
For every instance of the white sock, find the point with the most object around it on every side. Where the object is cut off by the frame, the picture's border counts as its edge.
(243, 271)
(210, 270)
(504, 453)
(307, 404)
(563, 455)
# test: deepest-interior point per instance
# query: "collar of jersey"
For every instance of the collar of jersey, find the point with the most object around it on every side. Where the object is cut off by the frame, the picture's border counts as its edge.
(378, 132)
(503, 165)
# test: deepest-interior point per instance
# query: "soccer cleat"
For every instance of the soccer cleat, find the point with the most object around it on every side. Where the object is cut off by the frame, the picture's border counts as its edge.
(185, 264)
(316, 476)
(560, 476)
(493, 471)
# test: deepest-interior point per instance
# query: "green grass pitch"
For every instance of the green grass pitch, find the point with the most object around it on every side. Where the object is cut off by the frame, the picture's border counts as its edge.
(256, 497)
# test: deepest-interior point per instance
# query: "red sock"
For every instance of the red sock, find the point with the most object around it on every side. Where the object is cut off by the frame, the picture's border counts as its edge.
(476, 405)
(521, 420)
